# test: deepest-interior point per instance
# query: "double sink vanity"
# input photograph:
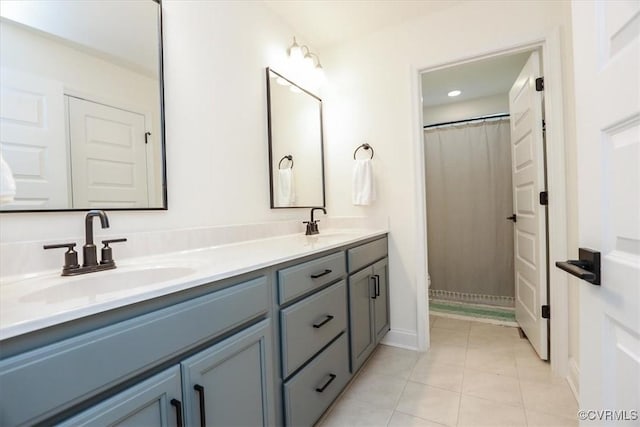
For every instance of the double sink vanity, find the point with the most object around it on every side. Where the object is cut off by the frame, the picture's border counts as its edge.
(262, 332)
(252, 333)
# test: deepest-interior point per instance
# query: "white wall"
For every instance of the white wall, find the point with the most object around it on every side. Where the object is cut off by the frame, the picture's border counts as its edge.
(215, 92)
(465, 109)
(373, 96)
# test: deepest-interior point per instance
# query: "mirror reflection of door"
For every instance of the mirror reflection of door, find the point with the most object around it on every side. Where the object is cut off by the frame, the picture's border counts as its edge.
(55, 51)
(108, 156)
(32, 139)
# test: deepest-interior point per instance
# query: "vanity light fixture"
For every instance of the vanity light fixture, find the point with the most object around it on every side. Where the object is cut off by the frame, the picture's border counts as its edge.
(302, 54)
(454, 93)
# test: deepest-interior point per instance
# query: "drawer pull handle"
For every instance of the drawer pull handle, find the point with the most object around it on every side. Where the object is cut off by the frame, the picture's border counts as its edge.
(324, 273)
(178, 406)
(200, 390)
(326, 320)
(326, 384)
(377, 279)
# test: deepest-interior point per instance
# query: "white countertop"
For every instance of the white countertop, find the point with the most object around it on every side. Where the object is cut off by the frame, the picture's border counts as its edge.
(36, 301)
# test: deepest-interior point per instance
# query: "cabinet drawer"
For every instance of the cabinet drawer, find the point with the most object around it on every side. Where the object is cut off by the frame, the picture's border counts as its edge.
(302, 278)
(312, 323)
(366, 254)
(60, 375)
(308, 394)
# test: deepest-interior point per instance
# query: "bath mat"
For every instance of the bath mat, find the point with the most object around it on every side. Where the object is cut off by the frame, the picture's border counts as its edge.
(473, 311)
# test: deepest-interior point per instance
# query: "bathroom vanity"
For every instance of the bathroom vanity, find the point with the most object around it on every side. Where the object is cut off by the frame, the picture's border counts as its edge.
(267, 332)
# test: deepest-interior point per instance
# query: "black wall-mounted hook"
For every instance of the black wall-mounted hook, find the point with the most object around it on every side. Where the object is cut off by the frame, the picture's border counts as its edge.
(586, 268)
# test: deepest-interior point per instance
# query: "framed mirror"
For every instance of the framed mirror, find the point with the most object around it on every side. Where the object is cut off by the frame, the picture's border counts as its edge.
(81, 117)
(296, 157)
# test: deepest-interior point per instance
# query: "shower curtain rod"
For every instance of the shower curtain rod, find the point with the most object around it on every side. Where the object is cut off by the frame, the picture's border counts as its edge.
(491, 116)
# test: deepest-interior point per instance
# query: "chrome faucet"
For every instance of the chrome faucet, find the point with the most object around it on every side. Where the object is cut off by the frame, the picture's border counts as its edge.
(312, 226)
(89, 250)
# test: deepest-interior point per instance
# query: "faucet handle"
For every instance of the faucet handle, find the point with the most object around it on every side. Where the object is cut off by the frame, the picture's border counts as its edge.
(70, 257)
(107, 253)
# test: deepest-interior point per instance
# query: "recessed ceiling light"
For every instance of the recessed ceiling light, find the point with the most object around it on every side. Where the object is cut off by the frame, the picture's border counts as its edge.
(454, 93)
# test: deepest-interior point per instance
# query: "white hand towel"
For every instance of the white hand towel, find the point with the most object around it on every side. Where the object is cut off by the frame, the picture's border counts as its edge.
(286, 190)
(363, 185)
(7, 183)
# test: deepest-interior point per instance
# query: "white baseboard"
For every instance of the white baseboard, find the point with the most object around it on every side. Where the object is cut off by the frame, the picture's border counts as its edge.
(401, 338)
(573, 378)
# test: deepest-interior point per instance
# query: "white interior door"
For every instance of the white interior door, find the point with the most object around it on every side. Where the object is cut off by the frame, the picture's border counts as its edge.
(527, 158)
(108, 156)
(33, 141)
(606, 39)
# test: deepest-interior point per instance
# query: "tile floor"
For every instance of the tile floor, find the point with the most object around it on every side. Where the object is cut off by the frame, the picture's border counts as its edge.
(475, 374)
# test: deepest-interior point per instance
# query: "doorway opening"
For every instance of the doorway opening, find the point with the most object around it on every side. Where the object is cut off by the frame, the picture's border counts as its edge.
(485, 193)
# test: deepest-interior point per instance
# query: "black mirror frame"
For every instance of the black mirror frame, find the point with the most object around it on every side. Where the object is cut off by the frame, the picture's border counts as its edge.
(269, 130)
(165, 200)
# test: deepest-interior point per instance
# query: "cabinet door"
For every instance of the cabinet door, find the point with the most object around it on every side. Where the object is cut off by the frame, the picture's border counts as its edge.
(230, 383)
(153, 402)
(381, 303)
(361, 292)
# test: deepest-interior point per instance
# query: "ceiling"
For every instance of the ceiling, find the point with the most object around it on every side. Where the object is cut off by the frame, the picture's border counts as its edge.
(322, 23)
(476, 79)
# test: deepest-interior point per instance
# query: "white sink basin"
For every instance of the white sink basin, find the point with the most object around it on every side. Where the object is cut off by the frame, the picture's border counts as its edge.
(328, 237)
(103, 284)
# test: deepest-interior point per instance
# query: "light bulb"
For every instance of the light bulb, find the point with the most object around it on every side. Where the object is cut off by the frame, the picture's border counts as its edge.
(295, 52)
(454, 93)
(320, 75)
(308, 61)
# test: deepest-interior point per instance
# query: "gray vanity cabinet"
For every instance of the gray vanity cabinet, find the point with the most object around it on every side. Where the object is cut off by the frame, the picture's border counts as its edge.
(368, 299)
(153, 402)
(229, 384)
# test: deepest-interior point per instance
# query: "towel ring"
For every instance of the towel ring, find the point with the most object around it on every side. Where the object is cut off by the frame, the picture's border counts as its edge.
(287, 157)
(366, 147)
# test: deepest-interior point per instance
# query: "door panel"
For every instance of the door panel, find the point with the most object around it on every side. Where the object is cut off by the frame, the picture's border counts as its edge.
(527, 147)
(361, 317)
(145, 404)
(236, 379)
(606, 58)
(108, 156)
(33, 140)
(381, 303)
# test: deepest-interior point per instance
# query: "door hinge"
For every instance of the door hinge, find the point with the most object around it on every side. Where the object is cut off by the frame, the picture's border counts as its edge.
(546, 312)
(544, 126)
(544, 198)
(539, 84)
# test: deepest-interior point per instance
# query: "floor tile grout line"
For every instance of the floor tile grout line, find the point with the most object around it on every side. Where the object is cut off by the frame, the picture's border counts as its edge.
(462, 383)
(524, 407)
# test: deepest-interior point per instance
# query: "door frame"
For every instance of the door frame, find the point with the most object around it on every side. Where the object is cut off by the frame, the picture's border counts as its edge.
(551, 51)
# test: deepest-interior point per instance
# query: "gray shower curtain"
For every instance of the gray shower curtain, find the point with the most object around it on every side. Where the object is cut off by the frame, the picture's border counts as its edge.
(469, 196)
